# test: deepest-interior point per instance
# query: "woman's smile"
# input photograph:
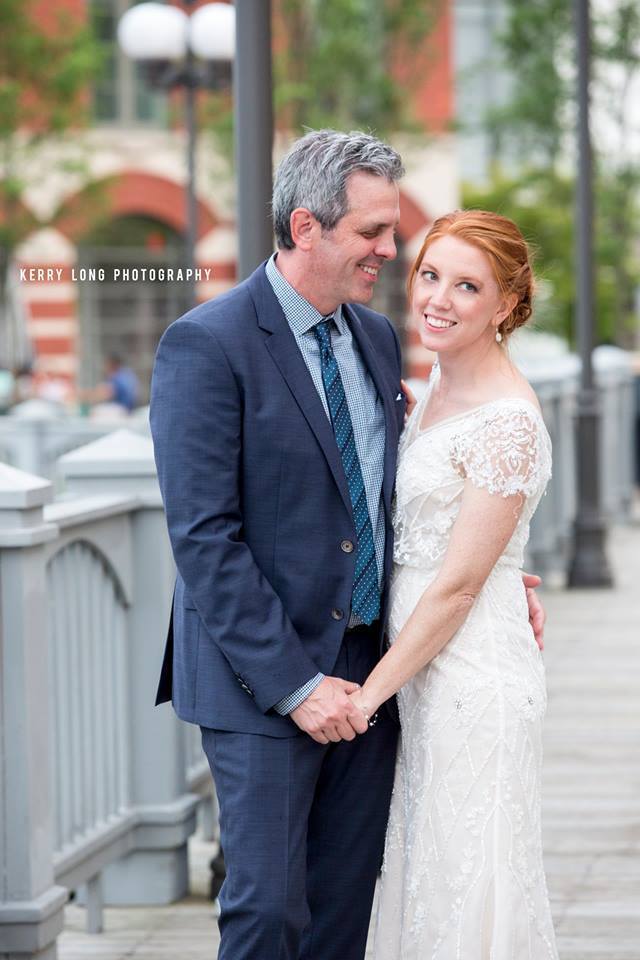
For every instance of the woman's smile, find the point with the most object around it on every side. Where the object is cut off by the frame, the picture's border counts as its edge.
(438, 323)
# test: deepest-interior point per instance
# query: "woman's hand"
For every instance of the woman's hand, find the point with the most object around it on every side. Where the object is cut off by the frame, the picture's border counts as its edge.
(358, 699)
(411, 399)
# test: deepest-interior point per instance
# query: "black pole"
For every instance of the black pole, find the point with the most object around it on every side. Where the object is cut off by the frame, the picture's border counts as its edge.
(253, 121)
(589, 566)
(191, 236)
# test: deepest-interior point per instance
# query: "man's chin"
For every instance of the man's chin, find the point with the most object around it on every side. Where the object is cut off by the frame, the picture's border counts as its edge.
(362, 294)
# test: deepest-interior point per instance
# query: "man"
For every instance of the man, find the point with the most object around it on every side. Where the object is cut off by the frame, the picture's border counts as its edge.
(120, 386)
(276, 411)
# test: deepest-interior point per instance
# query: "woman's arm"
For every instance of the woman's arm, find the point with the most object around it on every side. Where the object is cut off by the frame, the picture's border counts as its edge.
(481, 532)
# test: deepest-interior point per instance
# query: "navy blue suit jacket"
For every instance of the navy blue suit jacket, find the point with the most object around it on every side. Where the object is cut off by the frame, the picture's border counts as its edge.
(257, 506)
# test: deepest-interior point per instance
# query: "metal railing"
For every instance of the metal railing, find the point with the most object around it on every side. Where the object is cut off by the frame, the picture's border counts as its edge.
(103, 788)
(89, 724)
(34, 436)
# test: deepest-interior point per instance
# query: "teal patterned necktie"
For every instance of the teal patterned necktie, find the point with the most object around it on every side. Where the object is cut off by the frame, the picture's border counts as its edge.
(365, 597)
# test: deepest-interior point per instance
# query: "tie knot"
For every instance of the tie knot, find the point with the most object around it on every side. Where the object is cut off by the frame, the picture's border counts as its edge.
(323, 331)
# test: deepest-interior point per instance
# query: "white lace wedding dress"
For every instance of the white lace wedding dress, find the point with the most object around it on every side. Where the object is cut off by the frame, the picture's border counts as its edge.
(463, 876)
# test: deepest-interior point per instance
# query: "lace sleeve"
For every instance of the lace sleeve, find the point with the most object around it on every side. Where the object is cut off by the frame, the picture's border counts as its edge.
(507, 452)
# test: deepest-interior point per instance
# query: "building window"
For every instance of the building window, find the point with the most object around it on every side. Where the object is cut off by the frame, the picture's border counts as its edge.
(121, 94)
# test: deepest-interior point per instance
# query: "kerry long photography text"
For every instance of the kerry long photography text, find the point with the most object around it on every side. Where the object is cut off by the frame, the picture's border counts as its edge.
(114, 274)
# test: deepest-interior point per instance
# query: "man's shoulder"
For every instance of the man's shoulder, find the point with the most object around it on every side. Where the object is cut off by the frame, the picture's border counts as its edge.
(373, 322)
(233, 304)
(230, 313)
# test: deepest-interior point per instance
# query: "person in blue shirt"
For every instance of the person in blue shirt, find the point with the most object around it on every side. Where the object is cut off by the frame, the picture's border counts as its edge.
(120, 386)
(122, 382)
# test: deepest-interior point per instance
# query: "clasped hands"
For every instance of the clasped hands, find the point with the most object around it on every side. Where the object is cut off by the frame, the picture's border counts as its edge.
(335, 710)
(331, 712)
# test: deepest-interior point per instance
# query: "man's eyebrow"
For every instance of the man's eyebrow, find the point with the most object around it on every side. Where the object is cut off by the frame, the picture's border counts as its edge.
(382, 225)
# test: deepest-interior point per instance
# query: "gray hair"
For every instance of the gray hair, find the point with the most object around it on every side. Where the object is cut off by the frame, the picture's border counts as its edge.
(314, 175)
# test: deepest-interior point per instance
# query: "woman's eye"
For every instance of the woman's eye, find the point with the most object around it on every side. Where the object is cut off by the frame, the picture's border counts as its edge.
(428, 275)
(471, 287)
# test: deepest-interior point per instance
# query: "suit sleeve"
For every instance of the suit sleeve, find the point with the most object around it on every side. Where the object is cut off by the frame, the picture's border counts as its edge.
(196, 423)
(396, 344)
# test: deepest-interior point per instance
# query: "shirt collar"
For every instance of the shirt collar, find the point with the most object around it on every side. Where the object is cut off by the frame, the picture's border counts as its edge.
(299, 313)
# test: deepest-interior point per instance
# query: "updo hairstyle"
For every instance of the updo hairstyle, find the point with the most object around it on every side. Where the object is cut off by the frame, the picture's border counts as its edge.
(500, 239)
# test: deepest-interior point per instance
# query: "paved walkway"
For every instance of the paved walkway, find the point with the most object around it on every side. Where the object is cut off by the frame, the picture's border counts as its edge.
(591, 794)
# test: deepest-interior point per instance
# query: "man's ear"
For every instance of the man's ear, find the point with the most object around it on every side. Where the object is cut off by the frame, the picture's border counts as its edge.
(303, 226)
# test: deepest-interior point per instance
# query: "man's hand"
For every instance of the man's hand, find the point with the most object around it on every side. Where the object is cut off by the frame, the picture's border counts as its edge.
(537, 616)
(328, 714)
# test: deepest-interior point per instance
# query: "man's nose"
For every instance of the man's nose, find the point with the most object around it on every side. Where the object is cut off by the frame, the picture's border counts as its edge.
(386, 246)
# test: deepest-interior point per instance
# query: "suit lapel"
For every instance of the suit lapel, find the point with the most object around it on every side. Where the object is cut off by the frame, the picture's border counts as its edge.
(285, 352)
(388, 401)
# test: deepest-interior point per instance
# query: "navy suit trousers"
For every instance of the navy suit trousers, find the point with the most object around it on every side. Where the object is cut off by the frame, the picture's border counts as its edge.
(302, 827)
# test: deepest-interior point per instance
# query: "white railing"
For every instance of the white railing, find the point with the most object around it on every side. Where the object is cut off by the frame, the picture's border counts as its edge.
(89, 724)
(103, 788)
(556, 384)
(35, 435)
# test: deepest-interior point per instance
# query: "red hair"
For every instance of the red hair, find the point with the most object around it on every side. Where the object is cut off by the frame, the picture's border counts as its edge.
(504, 246)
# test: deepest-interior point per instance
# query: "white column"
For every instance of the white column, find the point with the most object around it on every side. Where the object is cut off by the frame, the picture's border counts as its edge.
(31, 905)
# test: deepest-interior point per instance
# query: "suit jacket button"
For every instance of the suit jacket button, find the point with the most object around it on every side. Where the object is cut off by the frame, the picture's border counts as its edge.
(337, 614)
(346, 546)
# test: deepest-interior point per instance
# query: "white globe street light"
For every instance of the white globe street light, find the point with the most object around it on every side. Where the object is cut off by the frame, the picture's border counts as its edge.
(176, 47)
(195, 52)
(212, 31)
(154, 31)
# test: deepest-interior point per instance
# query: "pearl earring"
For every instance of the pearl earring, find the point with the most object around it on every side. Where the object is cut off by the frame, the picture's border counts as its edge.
(498, 337)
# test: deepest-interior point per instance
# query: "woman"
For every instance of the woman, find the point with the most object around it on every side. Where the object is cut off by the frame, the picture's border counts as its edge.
(463, 876)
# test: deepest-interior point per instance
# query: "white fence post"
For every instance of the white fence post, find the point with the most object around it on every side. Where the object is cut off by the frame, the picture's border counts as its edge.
(614, 378)
(31, 905)
(156, 871)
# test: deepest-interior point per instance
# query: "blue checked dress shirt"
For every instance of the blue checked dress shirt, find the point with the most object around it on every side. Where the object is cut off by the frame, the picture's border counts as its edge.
(365, 408)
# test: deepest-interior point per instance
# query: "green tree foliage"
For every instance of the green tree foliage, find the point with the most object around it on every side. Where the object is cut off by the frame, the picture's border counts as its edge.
(43, 73)
(537, 49)
(542, 204)
(341, 63)
(617, 53)
(538, 128)
(337, 65)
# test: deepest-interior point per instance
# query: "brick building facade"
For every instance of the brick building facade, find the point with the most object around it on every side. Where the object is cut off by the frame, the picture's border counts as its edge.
(117, 202)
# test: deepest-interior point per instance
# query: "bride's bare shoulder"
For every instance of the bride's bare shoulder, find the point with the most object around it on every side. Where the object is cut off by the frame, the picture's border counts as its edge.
(518, 388)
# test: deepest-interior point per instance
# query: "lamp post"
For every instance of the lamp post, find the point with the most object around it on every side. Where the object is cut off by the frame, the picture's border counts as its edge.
(174, 45)
(589, 567)
(253, 123)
